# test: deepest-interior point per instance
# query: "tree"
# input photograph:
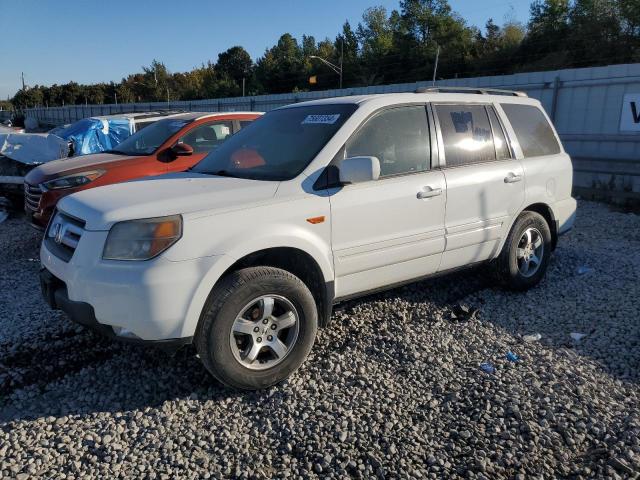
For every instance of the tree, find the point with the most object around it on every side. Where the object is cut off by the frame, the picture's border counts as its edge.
(594, 22)
(236, 63)
(347, 43)
(375, 37)
(545, 42)
(282, 67)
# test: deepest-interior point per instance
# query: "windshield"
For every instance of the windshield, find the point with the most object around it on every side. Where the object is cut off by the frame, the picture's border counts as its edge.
(147, 140)
(278, 146)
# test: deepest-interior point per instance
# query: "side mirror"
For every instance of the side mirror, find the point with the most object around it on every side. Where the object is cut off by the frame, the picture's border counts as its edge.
(359, 169)
(181, 150)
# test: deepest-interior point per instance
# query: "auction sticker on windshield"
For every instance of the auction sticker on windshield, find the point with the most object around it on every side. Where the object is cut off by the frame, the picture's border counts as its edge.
(323, 119)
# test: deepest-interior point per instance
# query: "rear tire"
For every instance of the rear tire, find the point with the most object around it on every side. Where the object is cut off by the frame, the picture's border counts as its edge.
(525, 255)
(257, 327)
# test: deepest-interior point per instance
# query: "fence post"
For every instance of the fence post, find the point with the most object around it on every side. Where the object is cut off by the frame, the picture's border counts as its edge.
(554, 100)
(253, 104)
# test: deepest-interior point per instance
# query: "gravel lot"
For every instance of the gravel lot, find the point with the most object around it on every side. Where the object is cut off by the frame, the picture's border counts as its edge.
(393, 388)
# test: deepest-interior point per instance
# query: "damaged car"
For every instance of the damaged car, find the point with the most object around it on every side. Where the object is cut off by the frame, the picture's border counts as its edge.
(169, 145)
(22, 152)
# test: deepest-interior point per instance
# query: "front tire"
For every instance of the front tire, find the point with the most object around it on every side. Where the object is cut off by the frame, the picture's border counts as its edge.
(257, 327)
(525, 255)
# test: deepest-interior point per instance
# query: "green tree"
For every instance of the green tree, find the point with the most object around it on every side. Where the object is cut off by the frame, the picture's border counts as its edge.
(235, 63)
(595, 23)
(282, 67)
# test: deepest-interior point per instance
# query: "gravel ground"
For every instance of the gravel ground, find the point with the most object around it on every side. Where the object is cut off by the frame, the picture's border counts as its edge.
(393, 388)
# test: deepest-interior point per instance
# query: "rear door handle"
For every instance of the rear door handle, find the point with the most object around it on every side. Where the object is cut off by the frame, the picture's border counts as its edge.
(428, 192)
(512, 178)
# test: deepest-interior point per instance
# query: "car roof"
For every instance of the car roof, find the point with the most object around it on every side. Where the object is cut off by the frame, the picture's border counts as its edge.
(201, 115)
(180, 114)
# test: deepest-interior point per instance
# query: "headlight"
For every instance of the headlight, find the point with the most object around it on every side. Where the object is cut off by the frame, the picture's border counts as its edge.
(142, 239)
(74, 180)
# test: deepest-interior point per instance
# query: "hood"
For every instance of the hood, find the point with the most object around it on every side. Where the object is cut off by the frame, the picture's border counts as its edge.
(173, 194)
(33, 148)
(66, 166)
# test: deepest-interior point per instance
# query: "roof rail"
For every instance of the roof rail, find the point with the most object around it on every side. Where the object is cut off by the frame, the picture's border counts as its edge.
(478, 90)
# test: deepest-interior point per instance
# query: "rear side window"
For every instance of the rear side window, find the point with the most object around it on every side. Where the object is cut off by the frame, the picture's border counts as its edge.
(502, 149)
(533, 131)
(398, 137)
(466, 133)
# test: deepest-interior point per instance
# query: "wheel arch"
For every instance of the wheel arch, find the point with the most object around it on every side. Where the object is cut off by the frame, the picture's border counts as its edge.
(547, 213)
(541, 208)
(301, 264)
(305, 261)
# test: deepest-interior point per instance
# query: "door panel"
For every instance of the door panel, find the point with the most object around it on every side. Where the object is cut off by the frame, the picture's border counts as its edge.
(485, 186)
(382, 233)
(480, 205)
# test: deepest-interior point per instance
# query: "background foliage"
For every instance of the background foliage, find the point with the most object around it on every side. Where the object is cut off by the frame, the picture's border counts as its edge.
(386, 47)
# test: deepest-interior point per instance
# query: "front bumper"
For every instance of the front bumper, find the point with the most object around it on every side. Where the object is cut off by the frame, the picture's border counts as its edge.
(54, 292)
(149, 299)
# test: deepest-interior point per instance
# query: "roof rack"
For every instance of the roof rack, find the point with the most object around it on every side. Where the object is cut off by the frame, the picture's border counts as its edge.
(479, 91)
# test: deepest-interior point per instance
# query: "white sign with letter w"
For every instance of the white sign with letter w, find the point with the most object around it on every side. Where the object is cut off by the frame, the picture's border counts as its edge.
(630, 116)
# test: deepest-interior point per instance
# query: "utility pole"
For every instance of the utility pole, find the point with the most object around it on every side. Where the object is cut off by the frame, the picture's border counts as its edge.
(341, 58)
(435, 67)
(167, 94)
(115, 96)
(243, 82)
(23, 85)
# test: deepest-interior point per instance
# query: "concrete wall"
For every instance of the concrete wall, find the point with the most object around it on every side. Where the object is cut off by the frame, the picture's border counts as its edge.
(584, 103)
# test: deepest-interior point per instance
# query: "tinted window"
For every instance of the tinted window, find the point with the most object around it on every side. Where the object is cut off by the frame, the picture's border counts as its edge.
(398, 137)
(279, 145)
(533, 131)
(205, 138)
(502, 149)
(466, 133)
(147, 141)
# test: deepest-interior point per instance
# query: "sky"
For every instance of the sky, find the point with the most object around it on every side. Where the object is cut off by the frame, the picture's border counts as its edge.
(91, 41)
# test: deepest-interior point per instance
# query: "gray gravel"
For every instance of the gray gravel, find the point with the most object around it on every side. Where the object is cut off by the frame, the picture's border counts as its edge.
(392, 389)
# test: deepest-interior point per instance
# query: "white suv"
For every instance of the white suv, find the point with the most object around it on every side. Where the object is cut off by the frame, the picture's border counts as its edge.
(245, 254)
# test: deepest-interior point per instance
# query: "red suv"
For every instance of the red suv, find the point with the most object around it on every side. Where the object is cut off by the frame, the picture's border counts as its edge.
(173, 144)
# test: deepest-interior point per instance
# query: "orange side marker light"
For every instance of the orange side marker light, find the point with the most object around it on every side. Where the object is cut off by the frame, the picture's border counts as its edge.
(315, 220)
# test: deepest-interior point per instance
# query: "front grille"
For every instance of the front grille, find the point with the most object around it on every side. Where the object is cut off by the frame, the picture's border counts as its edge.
(32, 195)
(63, 235)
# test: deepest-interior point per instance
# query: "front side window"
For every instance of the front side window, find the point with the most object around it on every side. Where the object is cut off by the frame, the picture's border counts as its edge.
(279, 145)
(397, 137)
(148, 140)
(533, 131)
(466, 134)
(205, 138)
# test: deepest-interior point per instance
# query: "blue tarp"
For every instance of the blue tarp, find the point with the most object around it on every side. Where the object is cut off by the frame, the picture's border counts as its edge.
(95, 135)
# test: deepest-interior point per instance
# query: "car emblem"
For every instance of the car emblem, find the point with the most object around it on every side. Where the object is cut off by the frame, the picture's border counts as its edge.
(56, 233)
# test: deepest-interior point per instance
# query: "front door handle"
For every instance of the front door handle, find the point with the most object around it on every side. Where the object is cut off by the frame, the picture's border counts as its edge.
(512, 178)
(428, 192)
